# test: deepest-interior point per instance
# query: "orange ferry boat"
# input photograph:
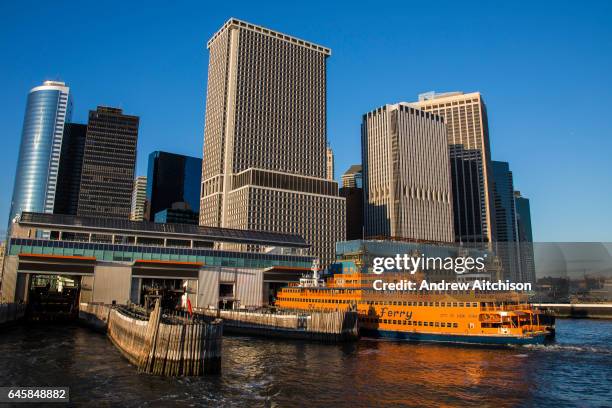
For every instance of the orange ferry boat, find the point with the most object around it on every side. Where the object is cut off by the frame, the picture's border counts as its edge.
(439, 316)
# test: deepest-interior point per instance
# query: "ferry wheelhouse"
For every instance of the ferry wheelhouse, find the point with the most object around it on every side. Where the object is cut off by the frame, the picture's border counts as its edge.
(491, 318)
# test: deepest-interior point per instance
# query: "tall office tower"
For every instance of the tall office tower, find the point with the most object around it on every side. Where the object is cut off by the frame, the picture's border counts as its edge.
(352, 191)
(465, 116)
(407, 188)
(525, 237)
(173, 178)
(71, 166)
(505, 220)
(353, 177)
(329, 157)
(48, 108)
(109, 161)
(139, 199)
(265, 138)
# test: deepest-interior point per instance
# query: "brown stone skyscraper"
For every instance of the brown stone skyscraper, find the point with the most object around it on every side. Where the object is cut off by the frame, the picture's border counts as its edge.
(465, 116)
(265, 139)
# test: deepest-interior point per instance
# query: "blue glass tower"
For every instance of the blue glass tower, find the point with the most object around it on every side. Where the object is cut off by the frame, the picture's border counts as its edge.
(48, 109)
(505, 220)
(171, 179)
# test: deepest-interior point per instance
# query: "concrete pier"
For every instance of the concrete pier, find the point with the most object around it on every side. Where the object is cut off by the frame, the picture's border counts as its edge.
(579, 310)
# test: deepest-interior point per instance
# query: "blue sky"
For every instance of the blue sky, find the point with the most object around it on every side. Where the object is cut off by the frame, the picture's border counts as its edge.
(544, 69)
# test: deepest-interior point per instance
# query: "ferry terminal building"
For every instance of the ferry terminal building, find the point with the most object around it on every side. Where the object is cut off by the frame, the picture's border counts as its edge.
(110, 260)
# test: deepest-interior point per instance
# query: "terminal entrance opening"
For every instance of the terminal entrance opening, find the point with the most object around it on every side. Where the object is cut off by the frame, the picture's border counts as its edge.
(53, 297)
(169, 291)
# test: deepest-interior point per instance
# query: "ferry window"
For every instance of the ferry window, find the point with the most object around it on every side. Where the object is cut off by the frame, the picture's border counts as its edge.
(409, 323)
(468, 304)
(431, 324)
(442, 304)
(449, 325)
(394, 303)
(442, 324)
(420, 303)
(395, 322)
(437, 324)
(454, 304)
(455, 325)
(420, 323)
(424, 323)
(460, 304)
(475, 304)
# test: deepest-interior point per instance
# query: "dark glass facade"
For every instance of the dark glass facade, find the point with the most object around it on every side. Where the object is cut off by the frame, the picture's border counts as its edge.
(354, 212)
(177, 216)
(71, 165)
(109, 161)
(172, 178)
(505, 220)
(505, 216)
(468, 203)
(525, 237)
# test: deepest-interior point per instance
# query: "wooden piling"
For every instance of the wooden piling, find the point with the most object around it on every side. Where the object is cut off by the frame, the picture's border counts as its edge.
(170, 345)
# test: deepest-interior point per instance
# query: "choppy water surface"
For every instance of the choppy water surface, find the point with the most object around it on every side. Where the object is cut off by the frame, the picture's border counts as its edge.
(576, 371)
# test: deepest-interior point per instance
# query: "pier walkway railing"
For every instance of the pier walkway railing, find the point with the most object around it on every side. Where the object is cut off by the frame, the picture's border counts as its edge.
(157, 343)
(329, 326)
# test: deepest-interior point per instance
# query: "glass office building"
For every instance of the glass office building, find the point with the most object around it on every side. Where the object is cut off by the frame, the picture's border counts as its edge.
(48, 108)
(172, 178)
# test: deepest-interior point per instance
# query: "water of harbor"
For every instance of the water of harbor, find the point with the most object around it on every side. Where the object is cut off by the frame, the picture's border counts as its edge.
(575, 371)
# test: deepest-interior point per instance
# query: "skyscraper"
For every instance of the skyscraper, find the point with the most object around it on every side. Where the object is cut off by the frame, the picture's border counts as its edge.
(525, 237)
(506, 237)
(353, 177)
(139, 198)
(109, 161)
(71, 166)
(173, 178)
(352, 191)
(48, 108)
(465, 116)
(407, 188)
(330, 163)
(265, 137)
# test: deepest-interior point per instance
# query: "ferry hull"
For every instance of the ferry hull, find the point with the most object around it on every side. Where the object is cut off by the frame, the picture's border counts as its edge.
(504, 340)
